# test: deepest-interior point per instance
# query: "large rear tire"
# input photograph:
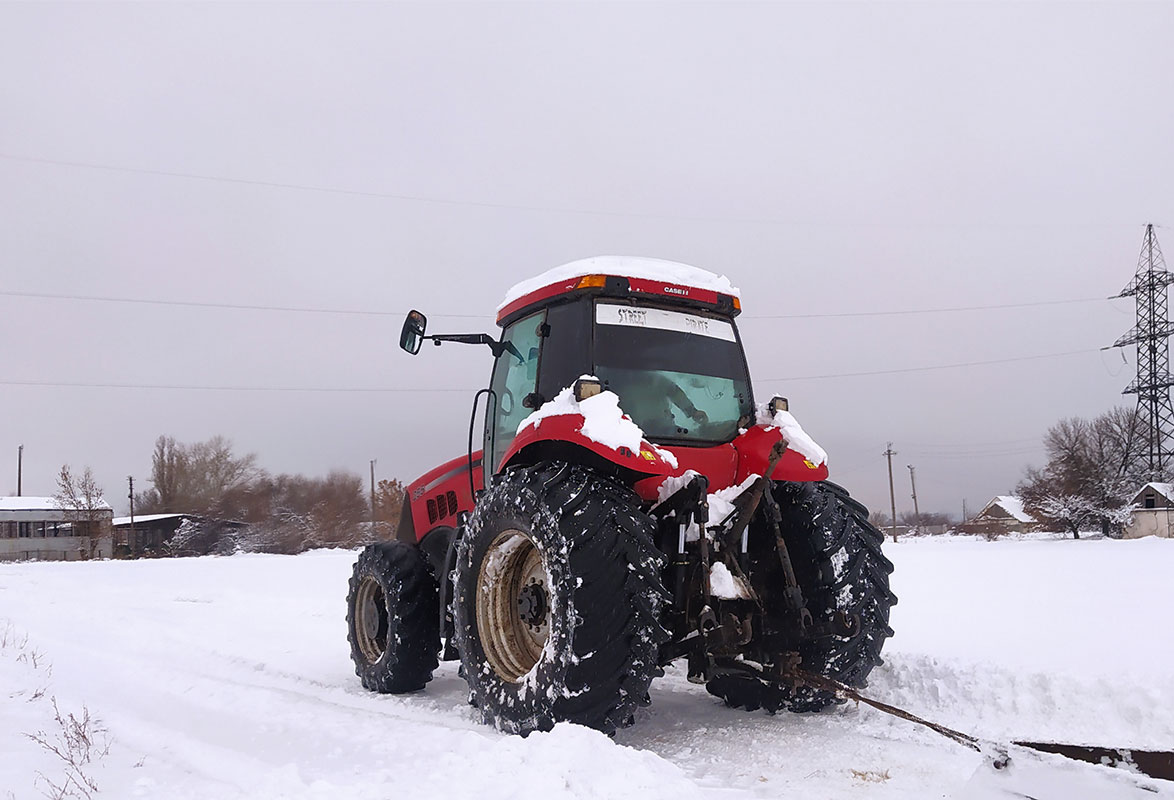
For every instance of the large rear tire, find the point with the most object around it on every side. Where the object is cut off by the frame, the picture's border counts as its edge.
(836, 553)
(393, 618)
(557, 600)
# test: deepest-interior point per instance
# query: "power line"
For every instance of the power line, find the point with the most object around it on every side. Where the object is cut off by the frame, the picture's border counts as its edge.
(414, 198)
(928, 368)
(388, 313)
(422, 198)
(992, 454)
(231, 306)
(910, 311)
(956, 445)
(194, 387)
(377, 390)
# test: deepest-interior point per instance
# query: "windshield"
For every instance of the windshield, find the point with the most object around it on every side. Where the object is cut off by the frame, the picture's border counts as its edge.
(680, 376)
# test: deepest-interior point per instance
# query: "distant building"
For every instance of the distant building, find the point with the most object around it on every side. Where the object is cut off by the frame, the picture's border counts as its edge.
(151, 532)
(1154, 512)
(1004, 514)
(39, 529)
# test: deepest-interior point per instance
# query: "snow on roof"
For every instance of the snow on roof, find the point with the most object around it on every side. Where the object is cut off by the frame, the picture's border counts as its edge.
(145, 518)
(1012, 505)
(1164, 489)
(29, 503)
(653, 269)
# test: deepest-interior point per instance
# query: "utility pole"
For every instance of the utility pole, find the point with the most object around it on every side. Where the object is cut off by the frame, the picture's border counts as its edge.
(130, 542)
(892, 497)
(913, 483)
(19, 467)
(373, 492)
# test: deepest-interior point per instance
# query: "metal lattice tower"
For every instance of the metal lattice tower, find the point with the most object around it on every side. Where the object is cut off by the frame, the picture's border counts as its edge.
(1152, 386)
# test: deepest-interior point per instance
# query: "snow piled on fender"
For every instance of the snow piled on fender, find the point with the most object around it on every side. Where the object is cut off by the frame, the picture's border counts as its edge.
(652, 269)
(603, 421)
(797, 438)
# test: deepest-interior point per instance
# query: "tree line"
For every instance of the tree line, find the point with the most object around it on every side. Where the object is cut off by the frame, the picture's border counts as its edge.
(248, 509)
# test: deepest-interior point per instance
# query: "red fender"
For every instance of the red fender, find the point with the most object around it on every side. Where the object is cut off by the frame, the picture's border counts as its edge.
(753, 448)
(729, 464)
(568, 428)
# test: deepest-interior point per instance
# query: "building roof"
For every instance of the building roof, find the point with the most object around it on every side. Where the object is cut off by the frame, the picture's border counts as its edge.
(1010, 505)
(32, 503)
(146, 518)
(1164, 489)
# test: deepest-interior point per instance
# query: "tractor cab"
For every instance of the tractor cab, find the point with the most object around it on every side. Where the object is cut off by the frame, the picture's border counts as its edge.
(675, 363)
(661, 336)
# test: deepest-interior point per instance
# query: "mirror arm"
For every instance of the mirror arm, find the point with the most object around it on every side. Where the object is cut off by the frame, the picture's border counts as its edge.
(495, 346)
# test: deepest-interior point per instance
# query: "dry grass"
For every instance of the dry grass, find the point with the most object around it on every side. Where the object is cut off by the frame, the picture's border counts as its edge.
(870, 775)
(77, 742)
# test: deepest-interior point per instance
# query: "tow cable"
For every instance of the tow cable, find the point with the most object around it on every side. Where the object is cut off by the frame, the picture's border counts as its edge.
(1155, 764)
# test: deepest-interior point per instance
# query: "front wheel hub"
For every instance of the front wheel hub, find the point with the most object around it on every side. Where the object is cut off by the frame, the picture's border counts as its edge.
(533, 605)
(371, 623)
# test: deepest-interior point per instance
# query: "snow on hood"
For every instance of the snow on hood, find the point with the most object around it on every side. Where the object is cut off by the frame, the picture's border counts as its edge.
(797, 438)
(653, 269)
(603, 421)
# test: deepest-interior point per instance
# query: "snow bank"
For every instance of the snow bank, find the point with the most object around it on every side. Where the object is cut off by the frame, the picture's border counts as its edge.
(230, 679)
(653, 269)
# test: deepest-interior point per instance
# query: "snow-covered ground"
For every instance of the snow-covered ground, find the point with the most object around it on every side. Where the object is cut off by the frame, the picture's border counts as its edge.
(230, 678)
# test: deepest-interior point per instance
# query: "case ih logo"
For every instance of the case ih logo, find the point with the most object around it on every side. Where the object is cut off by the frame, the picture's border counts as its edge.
(676, 290)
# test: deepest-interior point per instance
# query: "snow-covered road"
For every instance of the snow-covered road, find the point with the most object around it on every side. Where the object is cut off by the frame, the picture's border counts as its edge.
(230, 678)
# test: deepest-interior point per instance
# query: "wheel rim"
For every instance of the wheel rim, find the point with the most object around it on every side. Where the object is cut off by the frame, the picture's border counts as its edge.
(513, 605)
(371, 619)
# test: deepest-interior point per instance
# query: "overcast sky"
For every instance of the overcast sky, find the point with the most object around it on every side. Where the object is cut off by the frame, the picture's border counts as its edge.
(834, 160)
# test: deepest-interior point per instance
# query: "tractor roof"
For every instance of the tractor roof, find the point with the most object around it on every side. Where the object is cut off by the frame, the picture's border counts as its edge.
(680, 283)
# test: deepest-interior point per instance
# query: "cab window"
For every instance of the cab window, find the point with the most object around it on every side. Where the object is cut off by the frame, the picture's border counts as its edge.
(514, 376)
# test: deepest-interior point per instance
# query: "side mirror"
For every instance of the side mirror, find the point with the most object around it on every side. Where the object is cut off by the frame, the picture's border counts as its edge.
(412, 335)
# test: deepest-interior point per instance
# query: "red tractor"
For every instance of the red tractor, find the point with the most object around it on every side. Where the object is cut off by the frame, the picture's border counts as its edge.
(630, 506)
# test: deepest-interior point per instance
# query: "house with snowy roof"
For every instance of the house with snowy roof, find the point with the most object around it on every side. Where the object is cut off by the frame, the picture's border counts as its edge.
(1005, 512)
(1153, 513)
(41, 529)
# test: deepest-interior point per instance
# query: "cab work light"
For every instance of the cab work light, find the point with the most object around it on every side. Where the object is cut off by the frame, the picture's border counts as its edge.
(587, 387)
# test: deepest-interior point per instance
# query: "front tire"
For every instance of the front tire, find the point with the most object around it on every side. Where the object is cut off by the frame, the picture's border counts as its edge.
(393, 618)
(557, 600)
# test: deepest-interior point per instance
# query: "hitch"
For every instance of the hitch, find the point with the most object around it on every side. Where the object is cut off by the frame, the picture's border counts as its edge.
(689, 504)
(1153, 764)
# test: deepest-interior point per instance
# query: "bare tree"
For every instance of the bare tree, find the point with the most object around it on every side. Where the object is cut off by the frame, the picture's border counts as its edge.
(1089, 477)
(80, 498)
(194, 478)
